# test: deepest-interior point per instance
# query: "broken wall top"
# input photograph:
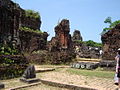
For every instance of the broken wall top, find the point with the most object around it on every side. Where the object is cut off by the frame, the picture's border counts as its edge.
(63, 26)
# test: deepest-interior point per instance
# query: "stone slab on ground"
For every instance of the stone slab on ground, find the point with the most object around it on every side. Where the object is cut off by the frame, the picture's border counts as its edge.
(44, 70)
(34, 80)
(68, 86)
(2, 86)
(25, 86)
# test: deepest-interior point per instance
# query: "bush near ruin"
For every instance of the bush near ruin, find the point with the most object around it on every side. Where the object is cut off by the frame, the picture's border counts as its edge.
(12, 66)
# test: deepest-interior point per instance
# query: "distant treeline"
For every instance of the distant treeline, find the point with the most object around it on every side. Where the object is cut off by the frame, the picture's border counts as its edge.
(90, 43)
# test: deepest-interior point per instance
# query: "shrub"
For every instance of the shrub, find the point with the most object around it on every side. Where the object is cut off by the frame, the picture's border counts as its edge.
(12, 66)
(7, 50)
(30, 30)
(32, 13)
(93, 44)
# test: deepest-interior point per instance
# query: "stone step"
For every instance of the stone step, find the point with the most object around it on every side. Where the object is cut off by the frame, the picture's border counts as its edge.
(88, 60)
(44, 70)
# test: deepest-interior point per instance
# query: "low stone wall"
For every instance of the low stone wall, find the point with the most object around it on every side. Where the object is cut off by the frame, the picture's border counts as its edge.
(68, 86)
(12, 66)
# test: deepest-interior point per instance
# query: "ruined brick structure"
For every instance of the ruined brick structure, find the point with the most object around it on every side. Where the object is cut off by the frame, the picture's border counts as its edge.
(30, 41)
(62, 39)
(62, 33)
(9, 22)
(12, 17)
(84, 51)
(77, 35)
(60, 46)
(111, 42)
(81, 49)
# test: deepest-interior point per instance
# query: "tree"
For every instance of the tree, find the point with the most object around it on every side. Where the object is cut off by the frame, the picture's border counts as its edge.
(93, 44)
(108, 20)
(112, 24)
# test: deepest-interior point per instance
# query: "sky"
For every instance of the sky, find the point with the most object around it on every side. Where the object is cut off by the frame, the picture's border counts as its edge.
(85, 15)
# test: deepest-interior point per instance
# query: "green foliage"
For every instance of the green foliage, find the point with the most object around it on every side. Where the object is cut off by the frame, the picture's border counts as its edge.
(7, 61)
(92, 43)
(112, 25)
(32, 14)
(108, 20)
(93, 73)
(30, 30)
(7, 50)
(89, 43)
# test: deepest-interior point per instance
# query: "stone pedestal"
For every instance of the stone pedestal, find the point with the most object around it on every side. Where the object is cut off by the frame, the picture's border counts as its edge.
(2, 86)
(33, 80)
(29, 75)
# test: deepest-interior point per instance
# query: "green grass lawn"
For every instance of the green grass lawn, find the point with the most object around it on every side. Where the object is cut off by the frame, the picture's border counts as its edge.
(92, 73)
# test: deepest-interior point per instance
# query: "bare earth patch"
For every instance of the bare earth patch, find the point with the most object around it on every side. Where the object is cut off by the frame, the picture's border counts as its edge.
(62, 76)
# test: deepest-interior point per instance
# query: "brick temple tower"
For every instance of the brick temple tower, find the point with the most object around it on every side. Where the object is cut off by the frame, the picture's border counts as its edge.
(62, 39)
(62, 33)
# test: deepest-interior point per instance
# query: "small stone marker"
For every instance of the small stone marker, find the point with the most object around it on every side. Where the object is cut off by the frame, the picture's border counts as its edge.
(29, 75)
(2, 86)
(29, 72)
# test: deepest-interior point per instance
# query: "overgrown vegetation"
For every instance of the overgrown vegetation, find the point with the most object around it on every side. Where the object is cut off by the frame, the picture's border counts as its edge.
(10, 66)
(32, 14)
(7, 50)
(111, 25)
(6, 61)
(30, 30)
